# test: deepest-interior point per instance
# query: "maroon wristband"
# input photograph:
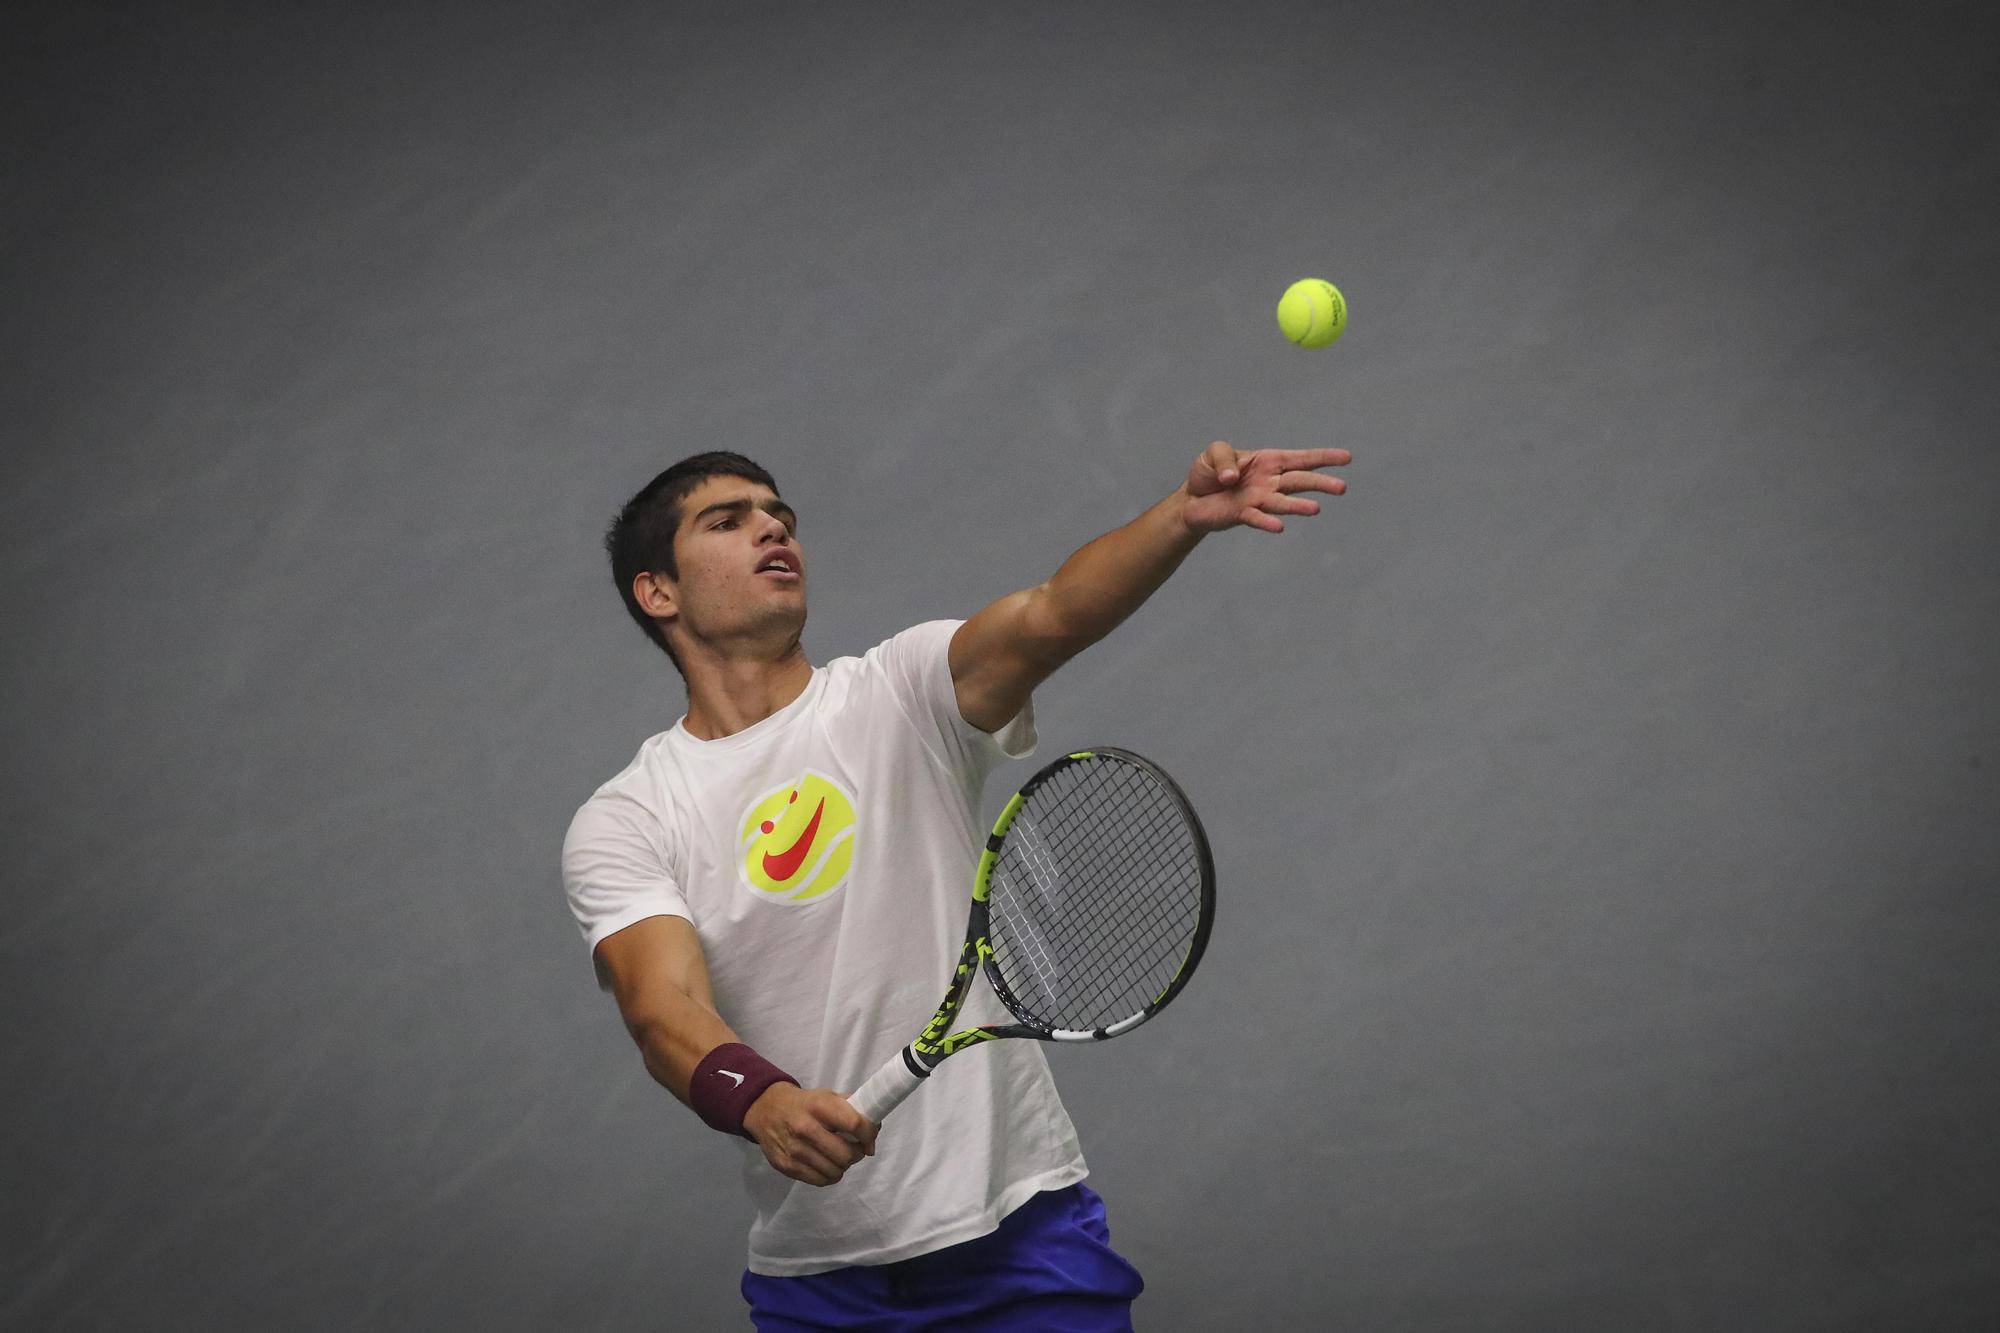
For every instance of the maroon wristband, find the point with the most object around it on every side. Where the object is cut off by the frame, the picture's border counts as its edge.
(725, 1083)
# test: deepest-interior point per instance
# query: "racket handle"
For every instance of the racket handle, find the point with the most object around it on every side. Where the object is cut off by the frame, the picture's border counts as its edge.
(885, 1089)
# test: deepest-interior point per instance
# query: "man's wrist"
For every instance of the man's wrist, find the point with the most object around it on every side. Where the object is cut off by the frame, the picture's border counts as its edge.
(766, 1104)
(1175, 506)
(728, 1082)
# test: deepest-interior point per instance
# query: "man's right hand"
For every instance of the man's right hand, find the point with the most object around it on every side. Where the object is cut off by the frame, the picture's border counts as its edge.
(809, 1134)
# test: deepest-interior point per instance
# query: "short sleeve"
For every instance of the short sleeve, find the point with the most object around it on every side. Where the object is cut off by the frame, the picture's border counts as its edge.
(615, 872)
(918, 665)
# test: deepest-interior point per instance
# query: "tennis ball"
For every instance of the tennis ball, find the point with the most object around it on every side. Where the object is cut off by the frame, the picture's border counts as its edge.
(1312, 312)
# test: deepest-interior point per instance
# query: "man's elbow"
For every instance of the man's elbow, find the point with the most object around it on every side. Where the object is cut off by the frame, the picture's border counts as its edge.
(1048, 634)
(645, 1030)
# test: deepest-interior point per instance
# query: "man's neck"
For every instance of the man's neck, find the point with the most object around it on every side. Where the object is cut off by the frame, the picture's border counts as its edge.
(726, 695)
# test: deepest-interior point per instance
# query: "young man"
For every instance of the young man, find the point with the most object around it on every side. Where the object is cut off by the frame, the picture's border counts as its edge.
(774, 891)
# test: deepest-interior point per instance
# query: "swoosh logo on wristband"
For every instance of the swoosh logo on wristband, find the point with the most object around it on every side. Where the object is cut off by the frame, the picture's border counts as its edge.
(733, 1074)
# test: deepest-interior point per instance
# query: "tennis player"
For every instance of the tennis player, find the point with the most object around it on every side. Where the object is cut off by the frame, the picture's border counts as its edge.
(773, 888)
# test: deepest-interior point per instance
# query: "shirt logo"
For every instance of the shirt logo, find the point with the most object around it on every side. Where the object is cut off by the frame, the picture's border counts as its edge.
(796, 842)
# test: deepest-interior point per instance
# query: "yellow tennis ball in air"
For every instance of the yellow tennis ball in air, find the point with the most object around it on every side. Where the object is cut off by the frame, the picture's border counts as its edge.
(1312, 312)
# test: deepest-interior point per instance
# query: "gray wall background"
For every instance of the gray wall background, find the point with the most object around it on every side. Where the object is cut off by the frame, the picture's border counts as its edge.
(1606, 792)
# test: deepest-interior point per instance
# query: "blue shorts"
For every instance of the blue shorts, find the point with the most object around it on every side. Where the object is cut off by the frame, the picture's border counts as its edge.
(1049, 1268)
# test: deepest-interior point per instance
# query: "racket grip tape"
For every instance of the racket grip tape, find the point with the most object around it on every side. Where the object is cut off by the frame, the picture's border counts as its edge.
(887, 1087)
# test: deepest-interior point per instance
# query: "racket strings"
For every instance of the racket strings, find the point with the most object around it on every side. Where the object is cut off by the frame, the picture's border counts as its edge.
(1096, 896)
(1116, 951)
(1136, 978)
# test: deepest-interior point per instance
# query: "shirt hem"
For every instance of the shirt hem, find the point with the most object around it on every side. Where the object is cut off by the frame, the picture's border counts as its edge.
(985, 1224)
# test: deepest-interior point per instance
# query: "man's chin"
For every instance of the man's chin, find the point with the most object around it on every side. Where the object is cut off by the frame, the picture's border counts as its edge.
(787, 616)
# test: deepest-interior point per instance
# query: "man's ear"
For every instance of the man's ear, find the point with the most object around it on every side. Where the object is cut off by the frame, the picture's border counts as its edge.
(656, 596)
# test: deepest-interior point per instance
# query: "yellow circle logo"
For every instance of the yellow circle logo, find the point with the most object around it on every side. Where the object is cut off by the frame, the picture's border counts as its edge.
(798, 840)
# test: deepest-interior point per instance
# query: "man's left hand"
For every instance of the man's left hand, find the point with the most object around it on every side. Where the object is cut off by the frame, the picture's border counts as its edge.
(1228, 488)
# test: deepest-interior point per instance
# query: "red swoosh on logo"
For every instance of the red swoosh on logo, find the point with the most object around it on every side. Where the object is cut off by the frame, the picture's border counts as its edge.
(786, 864)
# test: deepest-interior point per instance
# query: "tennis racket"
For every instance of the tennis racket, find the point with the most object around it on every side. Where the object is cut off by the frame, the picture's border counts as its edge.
(1090, 908)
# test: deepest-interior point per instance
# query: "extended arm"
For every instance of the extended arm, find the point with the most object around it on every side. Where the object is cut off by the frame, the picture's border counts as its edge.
(1000, 655)
(660, 979)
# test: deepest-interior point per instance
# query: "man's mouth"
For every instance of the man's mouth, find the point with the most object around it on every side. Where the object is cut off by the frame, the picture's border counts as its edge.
(780, 566)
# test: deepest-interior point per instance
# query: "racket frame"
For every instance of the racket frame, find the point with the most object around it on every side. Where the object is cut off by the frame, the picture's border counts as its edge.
(935, 1044)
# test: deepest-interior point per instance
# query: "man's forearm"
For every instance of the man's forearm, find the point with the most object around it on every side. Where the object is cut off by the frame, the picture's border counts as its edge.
(1003, 653)
(676, 1033)
(1111, 577)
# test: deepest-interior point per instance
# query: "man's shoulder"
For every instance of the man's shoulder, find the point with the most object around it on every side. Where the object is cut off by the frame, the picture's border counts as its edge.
(900, 671)
(643, 783)
(905, 650)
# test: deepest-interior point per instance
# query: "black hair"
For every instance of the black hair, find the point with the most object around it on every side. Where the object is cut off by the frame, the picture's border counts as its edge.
(641, 538)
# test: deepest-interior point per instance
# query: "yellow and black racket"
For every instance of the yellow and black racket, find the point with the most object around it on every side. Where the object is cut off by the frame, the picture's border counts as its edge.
(1090, 909)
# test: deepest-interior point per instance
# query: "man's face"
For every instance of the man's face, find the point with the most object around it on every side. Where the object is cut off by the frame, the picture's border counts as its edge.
(742, 572)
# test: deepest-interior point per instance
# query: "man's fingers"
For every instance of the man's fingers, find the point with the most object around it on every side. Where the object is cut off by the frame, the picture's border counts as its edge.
(857, 1128)
(800, 1162)
(1222, 462)
(813, 1167)
(838, 1149)
(862, 1139)
(833, 1129)
(1257, 518)
(1289, 460)
(1285, 504)
(839, 1115)
(1292, 482)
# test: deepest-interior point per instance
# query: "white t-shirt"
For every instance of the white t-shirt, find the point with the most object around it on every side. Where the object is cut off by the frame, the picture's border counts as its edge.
(825, 857)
